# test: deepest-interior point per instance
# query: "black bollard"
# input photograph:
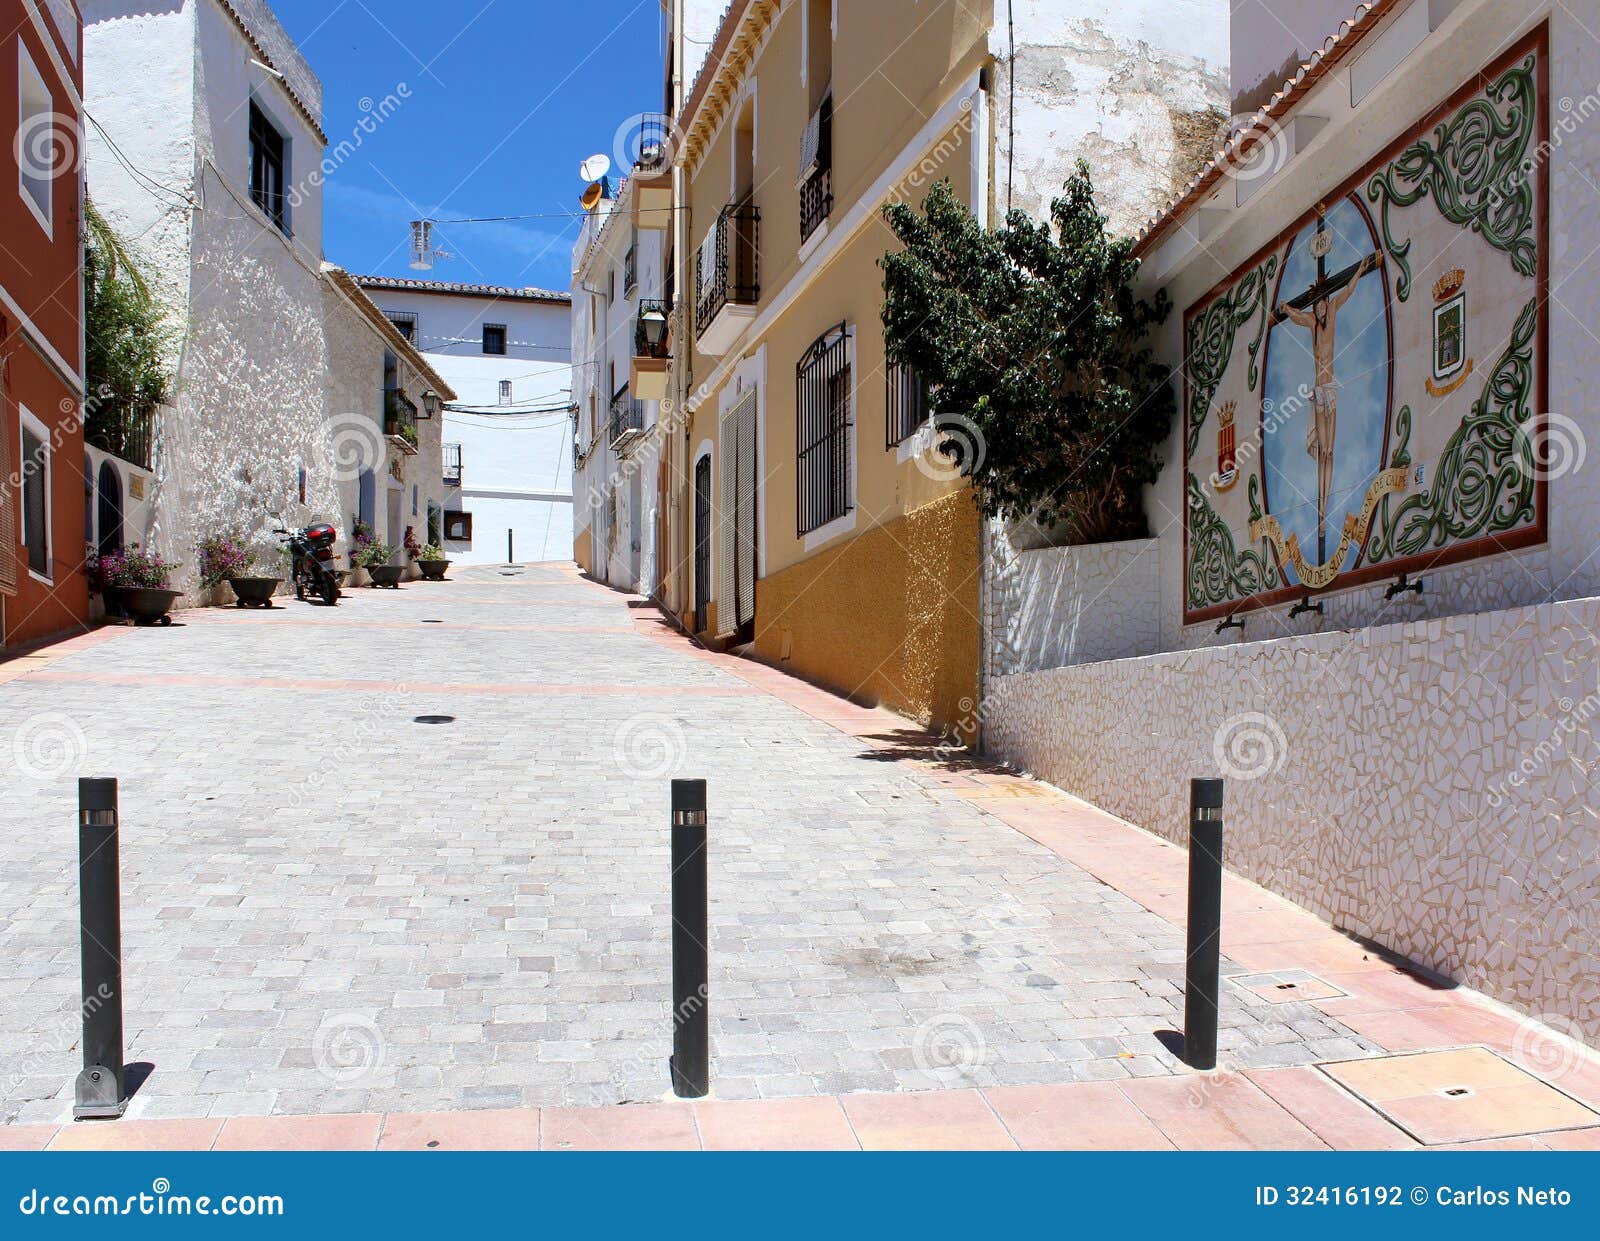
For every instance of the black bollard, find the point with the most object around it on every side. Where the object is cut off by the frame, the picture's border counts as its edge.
(1202, 972)
(511, 550)
(691, 1018)
(100, 1088)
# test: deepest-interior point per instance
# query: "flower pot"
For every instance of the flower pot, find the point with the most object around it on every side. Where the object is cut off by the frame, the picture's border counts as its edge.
(387, 575)
(147, 605)
(433, 570)
(254, 592)
(357, 578)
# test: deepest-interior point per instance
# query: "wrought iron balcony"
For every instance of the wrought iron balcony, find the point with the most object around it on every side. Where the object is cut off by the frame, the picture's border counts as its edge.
(627, 419)
(452, 465)
(727, 276)
(816, 185)
(400, 419)
(654, 150)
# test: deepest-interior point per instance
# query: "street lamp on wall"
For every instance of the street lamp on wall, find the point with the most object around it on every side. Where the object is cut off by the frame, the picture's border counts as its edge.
(655, 326)
(431, 403)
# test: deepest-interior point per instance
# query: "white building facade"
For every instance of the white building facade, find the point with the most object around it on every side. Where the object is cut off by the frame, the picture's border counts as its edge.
(204, 158)
(506, 468)
(621, 310)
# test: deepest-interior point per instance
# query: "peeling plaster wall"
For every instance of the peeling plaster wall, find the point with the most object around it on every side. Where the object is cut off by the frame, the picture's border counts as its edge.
(1139, 89)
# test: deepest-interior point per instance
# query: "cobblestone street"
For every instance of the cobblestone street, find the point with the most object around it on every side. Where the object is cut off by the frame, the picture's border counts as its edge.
(330, 906)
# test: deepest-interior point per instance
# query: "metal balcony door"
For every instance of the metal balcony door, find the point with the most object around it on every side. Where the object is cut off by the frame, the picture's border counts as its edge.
(737, 520)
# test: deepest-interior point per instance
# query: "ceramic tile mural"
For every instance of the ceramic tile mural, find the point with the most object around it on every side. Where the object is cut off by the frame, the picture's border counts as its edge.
(1367, 395)
(1427, 785)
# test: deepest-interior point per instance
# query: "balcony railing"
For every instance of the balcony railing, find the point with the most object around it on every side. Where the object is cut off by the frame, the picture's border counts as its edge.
(816, 189)
(627, 418)
(400, 417)
(727, 271)
(125, 433)
(452, 465)
(642, 348)
(654, 150)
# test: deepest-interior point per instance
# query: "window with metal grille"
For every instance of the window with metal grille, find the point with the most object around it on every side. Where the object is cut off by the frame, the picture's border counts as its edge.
(505, 392)
(907, 403)
(405, 322)
(267, 163)
(494, 338)
(452, 465)
(822, 402)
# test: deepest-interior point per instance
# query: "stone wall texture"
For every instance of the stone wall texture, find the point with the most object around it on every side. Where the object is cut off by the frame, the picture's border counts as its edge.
(1427, 786)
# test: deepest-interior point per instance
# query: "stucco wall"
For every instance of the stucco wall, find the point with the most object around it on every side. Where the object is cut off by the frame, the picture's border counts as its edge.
(887, 617)
(250, 393)
(1427, 785)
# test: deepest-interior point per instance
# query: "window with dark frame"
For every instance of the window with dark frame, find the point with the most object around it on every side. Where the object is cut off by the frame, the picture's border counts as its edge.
(405, 322)
(267, 151)
(907, 401)
(458, 527)
(494, 338)
(822, 403)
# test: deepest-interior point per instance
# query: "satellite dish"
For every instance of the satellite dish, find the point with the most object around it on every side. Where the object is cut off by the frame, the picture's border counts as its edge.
(595, 167)
(592, 196)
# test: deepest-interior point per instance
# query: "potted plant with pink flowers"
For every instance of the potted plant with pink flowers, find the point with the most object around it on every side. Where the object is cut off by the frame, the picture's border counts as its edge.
(135, 583)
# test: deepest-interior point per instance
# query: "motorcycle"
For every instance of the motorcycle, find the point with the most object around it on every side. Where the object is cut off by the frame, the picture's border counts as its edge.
(311, 562)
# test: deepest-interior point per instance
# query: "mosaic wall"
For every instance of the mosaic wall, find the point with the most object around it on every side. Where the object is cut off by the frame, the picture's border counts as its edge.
(1052, 606)
(1427, 785)
(1367, 396)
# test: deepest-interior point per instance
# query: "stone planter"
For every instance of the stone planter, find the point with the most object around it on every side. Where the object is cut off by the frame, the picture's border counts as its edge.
(145, 605)
(254, 592)
(387, 576)
(433, 570)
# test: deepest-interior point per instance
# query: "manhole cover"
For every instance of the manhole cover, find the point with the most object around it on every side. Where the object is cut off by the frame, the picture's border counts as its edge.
(434, 719)
(1467, 1094)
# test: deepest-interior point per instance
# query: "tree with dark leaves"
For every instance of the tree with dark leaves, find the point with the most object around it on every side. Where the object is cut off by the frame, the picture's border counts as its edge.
(1032, 331)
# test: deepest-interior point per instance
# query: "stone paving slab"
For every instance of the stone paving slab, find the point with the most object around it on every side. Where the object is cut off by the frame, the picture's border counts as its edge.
(330, 908)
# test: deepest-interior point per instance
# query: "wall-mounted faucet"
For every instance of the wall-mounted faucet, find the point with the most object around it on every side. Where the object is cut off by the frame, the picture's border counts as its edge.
(1305, 605)
(1403, 585)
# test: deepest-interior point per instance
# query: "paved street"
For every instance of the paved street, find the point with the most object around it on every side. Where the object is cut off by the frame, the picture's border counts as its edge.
(332, 907)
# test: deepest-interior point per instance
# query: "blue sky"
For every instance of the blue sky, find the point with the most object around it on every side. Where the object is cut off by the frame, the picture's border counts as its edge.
(506, 98)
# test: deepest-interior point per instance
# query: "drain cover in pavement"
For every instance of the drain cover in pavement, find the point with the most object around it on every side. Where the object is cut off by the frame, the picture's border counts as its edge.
(1468, 1094)
(1288, 987)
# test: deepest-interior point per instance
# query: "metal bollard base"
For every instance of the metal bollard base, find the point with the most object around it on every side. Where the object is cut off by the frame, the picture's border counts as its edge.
(97, 1091)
